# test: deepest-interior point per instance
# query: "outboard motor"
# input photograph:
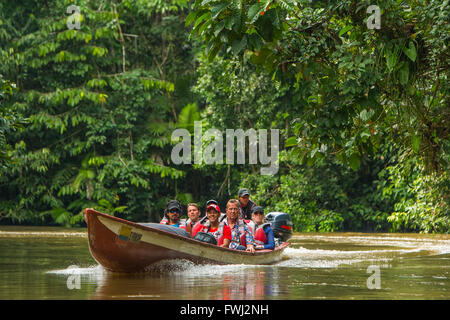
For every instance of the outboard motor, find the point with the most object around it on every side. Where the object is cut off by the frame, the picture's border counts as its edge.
(281, 224)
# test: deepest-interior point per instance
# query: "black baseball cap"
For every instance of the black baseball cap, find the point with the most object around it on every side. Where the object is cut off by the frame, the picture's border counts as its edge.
(173, 204)
(243, 192)
(257, 209)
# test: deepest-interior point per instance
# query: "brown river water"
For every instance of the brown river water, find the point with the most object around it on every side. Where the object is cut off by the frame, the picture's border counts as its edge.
(55, 263)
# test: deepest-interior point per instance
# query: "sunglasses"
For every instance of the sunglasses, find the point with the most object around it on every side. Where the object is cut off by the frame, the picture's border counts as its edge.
(258, 213)
(174, 211)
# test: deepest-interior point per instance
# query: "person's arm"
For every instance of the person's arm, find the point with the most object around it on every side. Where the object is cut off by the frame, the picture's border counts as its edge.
(189, 228)
(249, 240)
(226, 237)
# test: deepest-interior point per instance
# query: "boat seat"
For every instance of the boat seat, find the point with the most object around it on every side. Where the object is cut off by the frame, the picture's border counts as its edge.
(164, 227)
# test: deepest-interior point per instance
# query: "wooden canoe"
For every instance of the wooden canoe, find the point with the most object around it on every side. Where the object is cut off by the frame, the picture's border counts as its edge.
(123, 246)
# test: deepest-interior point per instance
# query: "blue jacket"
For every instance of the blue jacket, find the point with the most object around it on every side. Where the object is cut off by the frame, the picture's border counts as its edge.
(270, 238)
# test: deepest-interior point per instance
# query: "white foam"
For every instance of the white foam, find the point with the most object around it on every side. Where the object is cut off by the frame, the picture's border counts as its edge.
(186, 268)
(49, 234)
(95, 270)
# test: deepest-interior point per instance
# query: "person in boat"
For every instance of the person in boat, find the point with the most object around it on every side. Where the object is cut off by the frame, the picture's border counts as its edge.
(220, 230)
(262, 232)
(172, 215)
(246, 204)
(212, 201)
(241, 235)
(193, 212)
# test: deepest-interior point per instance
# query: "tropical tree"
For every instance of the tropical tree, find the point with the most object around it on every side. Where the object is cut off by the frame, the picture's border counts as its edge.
(355, 87)
(97, 82)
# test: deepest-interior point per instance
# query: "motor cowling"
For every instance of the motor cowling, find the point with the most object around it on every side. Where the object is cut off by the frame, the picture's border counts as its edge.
(281, 224)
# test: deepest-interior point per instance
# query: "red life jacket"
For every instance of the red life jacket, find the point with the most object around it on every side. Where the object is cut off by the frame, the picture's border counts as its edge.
(251, 225)
(260, 235)
(204, 227)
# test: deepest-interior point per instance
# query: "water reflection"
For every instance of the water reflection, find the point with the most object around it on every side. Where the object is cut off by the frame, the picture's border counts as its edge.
(192, 282)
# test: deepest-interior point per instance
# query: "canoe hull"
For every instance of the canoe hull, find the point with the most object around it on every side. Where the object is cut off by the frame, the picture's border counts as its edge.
(124, 246)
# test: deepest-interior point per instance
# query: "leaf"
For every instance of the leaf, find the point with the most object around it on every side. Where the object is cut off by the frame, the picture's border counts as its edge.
(120, 209)
(354, 161)
(391, 58)
(265, 28)
(219, 27)
(403, 74)
(200, 19)
(254, 41)
(344, 30)
(188, 115)
(415, 142)
(290, 142)
(230, 21)
(274, 17)
(218, 9)
(366, 115)
(410, 52)
(254, 12)
(190, 18)
(213, 50)
(238, 45)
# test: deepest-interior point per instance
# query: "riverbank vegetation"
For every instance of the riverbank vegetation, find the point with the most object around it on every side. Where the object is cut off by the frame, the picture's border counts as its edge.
(87, 111)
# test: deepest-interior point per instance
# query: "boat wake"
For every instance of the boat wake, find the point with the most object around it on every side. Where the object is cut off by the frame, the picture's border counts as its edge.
(174, 268)
(181, 267)
(355, 250)
(92, 274)
(377, 249)
(306, 258)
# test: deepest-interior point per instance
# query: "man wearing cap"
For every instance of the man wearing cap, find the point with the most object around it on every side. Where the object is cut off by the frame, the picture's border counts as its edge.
(263, 233)
(247, 205)
(219, 230)
(172, 215)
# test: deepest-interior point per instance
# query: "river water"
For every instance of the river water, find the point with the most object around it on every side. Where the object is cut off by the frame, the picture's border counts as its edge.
(55, 263)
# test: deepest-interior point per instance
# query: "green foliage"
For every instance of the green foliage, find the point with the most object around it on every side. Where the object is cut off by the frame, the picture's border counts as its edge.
(324, 197)
(188, 115)
(422, 202)
(351, 82)
(101, 103)
(9, 121)
(349, 91)
(86, 115)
